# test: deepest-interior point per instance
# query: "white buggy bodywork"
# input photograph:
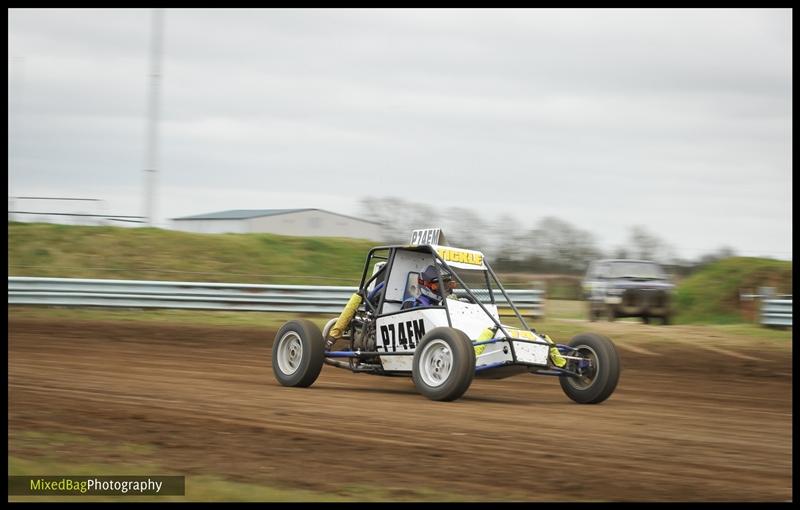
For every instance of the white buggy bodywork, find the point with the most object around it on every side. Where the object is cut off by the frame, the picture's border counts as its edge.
(400, 330)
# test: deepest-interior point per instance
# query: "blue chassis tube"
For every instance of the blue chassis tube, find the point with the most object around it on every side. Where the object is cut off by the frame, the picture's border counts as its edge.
(357, 354)
(551, 371)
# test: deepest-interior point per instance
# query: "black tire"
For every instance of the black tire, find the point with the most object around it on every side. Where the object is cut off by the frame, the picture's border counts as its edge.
(425, 369)
(599, 383)
(293, 366)
(592, 312)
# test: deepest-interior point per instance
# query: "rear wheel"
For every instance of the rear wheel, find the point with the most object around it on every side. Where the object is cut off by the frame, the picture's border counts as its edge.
(298, 353)
(599, 374)
(444, 364)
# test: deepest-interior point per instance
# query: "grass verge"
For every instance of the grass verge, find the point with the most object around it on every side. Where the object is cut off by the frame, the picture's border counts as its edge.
(71, 251)
(44, 453)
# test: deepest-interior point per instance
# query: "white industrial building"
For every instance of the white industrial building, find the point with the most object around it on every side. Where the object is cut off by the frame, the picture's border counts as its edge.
(290, 222)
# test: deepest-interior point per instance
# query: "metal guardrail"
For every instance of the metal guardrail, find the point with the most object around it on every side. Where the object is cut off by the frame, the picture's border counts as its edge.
(776, 312)
(23, 290)
(776, 309)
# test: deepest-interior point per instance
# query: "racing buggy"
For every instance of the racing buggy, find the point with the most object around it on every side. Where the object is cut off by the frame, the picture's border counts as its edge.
(444, 341)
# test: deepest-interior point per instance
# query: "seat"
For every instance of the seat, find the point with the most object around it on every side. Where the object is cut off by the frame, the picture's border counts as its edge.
(374, 296)
(412, 286)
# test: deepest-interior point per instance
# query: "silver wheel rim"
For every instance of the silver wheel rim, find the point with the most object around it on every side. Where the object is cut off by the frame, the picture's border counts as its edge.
(585, 382)
(435, 363)
(290, 352)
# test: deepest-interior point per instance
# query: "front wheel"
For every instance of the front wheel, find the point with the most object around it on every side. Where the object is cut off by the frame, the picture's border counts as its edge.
(298, 353)
(599, 369)
(444, 364)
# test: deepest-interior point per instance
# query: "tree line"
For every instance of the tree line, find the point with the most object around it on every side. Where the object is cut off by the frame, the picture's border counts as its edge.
(551, 245)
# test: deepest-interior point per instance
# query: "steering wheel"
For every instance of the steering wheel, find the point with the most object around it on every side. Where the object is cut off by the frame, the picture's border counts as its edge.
(468, 299)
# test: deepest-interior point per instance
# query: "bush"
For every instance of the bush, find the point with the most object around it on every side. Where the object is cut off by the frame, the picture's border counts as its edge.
(712, 293)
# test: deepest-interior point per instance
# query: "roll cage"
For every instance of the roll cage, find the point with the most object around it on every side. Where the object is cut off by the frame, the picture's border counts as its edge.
(382, 275)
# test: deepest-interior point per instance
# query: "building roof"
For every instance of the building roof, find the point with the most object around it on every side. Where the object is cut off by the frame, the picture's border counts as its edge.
(239, 214)
(246, 214)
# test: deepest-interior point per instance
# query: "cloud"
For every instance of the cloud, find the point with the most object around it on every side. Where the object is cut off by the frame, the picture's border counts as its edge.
(677, 119)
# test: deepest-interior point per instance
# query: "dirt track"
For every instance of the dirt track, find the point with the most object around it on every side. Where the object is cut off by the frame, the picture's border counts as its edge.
(715, 427)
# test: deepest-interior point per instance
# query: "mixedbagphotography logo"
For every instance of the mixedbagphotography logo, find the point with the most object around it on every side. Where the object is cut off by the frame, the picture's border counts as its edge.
(96, 486)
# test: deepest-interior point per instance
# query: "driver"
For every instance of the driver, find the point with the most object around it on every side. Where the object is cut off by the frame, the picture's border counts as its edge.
(429, 288)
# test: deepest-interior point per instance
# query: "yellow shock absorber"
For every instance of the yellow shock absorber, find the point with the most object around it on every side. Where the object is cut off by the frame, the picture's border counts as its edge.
(555, 355)
(344, 319)
(486, 334)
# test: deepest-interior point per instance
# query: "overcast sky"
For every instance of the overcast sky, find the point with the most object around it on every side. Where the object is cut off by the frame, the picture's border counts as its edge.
(679, 120)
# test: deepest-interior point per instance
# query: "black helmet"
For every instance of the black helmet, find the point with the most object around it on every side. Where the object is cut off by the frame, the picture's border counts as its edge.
(430, 274)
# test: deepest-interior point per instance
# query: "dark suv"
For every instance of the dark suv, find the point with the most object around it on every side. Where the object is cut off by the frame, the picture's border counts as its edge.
(628, 288)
